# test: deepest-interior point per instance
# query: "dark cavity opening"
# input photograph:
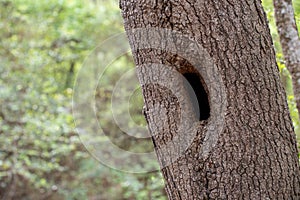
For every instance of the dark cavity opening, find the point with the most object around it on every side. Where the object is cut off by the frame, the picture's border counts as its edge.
(198, 96)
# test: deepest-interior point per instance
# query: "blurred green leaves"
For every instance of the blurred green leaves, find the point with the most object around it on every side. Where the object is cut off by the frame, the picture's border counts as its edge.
(42, 46)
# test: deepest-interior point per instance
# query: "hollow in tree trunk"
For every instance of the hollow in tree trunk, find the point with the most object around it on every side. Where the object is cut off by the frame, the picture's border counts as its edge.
(254, 155)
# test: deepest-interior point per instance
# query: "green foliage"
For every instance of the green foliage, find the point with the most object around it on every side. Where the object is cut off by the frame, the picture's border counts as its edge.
(43, 43)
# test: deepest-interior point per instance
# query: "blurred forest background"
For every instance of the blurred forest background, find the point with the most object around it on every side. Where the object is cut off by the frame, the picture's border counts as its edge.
(42, 46)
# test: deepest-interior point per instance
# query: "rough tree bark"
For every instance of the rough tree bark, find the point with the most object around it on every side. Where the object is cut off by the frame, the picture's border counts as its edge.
(255, 156)
(290, 42)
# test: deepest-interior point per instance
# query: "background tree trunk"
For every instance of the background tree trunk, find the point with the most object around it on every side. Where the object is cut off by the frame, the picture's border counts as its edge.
(256, 154)
(289, 40)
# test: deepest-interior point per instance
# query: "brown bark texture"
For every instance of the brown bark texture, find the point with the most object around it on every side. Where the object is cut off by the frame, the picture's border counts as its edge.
(290, 42)
(255, 153)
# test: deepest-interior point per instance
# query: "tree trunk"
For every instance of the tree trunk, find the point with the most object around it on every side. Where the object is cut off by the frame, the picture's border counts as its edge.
(244, 146)
(290, 42)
